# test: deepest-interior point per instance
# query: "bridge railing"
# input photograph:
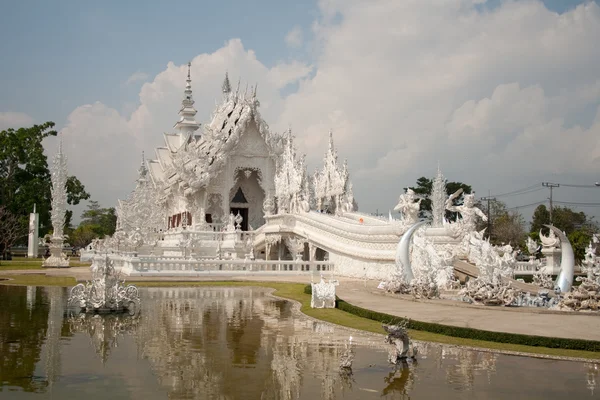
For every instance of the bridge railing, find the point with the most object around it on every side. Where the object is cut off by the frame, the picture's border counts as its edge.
(174, 264)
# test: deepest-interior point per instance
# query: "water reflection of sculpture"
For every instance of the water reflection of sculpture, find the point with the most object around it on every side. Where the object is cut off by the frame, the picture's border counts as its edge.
(104, 330)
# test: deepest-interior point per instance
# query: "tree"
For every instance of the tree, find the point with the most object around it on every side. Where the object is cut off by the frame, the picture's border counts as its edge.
(541, 217)
(424, 188)
(11, 230)
(82, 236)
(102, 221)
(504, 226)
(25, 176)
(508, 227)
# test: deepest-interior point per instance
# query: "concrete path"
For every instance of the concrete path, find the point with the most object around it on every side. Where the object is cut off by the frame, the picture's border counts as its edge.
(529, 321)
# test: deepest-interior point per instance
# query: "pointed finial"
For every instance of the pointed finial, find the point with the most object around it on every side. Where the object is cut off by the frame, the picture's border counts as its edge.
(237, 90)
(143, 160)
(189, 69)
(226, 85)
(255, 89)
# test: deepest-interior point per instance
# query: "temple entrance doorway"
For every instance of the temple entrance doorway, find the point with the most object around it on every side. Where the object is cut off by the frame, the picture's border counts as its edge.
(244, 213)
(247, 197)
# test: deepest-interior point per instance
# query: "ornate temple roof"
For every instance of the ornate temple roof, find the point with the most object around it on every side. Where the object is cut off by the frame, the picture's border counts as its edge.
(194, 159)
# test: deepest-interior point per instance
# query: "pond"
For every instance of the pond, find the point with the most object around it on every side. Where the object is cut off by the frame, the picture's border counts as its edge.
(241, 343)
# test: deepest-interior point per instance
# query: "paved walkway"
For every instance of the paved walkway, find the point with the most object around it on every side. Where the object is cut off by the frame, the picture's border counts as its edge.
(529, 321)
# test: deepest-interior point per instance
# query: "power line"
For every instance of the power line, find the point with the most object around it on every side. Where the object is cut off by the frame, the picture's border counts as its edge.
(527, 205)
(574, 203)
(580, 186)
(517, 192)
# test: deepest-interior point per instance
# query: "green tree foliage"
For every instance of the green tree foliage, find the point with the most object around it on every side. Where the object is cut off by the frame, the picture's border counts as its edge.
(25, 176)
(424, 188)
(101, 221)
(504, 226)
(82, 236)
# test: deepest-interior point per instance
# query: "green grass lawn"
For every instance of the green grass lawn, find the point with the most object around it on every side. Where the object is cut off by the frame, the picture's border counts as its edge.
(295, 291)
(36, 263)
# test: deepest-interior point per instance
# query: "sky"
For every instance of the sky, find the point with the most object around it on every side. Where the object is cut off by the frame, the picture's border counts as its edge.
(502, 95)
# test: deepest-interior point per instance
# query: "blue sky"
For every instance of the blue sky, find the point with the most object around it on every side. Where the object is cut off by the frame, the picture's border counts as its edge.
(59, 55)
(488, 95)
(62, 54)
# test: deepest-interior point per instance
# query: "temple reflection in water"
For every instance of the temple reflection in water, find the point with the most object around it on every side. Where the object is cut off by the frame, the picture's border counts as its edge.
(229, 343)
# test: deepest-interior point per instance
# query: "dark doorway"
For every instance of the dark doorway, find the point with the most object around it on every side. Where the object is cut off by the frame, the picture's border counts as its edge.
(244, 213)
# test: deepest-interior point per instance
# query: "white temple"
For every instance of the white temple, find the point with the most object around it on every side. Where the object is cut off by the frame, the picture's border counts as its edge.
(233, 196)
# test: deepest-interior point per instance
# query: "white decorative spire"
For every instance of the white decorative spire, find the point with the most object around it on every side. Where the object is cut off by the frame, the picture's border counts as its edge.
(226, 86)
(438, 199)
(143, 171)
(187, 123)
(59, 208)
(59, 191)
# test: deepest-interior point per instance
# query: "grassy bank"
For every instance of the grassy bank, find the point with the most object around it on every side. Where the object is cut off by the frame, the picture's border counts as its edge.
(295, 291)
(34, 263)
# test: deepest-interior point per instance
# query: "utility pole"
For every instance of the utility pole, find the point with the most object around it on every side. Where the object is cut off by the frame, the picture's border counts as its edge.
(551, 186)
(489, 217)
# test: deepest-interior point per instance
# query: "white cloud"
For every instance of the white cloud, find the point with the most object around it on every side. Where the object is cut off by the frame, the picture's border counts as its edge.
(14, 120)
(104, 145)
(497, 96)
(294, 38)
(138, 76)
(501, 97)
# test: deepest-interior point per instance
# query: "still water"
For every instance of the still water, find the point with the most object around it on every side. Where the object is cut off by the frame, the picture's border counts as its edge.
(240, 343)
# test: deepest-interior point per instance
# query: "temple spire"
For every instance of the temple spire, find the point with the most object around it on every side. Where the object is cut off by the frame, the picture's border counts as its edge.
(226, 85)
(187, 122)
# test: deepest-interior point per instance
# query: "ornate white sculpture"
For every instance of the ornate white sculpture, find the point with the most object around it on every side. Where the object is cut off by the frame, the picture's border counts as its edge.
(438, 200)
(409, 206)
(269, 205)
(403, 267)
(291, 181)
(142, 214)
(549, 241)
(552, 252)
(532, 247)
(106, 292)
(347, 357)
(323, 294)
(59, 207)
(397, 335)
(564, 281)
(331, 183)
(467, 210)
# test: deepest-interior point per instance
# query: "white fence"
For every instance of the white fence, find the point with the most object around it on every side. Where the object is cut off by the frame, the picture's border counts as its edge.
(174, 266)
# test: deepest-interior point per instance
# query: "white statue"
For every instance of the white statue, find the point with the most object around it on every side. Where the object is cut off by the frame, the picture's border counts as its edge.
(467, 211)
(268, 205)
(230, 223)
(549, 241)
(323, 294)
(409, 207)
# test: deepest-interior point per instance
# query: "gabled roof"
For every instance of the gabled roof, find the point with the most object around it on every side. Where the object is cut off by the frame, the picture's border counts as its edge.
(200, 160)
